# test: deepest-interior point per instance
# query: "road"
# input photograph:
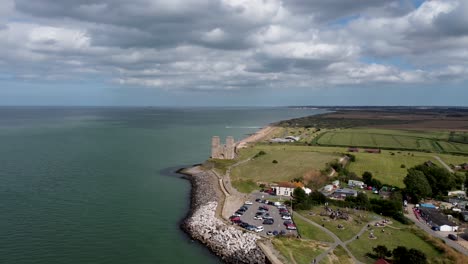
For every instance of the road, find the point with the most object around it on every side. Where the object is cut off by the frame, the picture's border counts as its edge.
(439, 234)
(443, 163)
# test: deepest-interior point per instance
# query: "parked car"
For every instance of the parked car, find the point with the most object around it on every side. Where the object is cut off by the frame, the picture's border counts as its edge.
(239, 212)
(267, 216)
(234, 218)
(248, 203)
(275, 233)
(453, 237)
(251, 228)
(258, 217)
(259, 229)
(291, 227)
(286, 217)
(268, 221)
(263, 207)
(260, 213)
(243, 224)
(236, 221)
(271, 203)
(287, 222)
(258, 200)
(269, 233)
(283, 232)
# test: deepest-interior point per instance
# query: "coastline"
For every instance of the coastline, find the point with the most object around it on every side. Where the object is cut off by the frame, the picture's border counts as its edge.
(204, 222)
(231, 244)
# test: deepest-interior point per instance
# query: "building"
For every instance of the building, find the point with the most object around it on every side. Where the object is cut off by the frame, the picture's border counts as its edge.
(353, 183)
(227, 151)
(336, 183)
(457, 193)
(437, 220)
(288, 139)
(328, 188)
(353, 150)
(343, 193)
(284, 188)
(385, 192)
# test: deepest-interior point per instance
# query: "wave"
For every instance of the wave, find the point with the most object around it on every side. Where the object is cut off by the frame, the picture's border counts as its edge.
(243, 127)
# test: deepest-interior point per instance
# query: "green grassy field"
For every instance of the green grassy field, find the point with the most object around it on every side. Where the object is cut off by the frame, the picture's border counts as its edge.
(387, 167)
(391, 238)
(308, 231)
(292, 163)
(351, 227)
(297, 250)
(434, 141)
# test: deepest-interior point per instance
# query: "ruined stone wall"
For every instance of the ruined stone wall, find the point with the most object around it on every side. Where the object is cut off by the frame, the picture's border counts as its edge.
(226, 151)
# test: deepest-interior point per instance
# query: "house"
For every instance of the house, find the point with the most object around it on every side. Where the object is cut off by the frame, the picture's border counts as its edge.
(353, 150)
(285, 188)
(343, 193)
(375, 151)
(457, 193)
(437, 220)
(336, 183)
(353, 183)
(328, 188)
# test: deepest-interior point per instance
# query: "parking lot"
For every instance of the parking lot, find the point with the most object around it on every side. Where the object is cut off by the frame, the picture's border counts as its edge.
(273, 211)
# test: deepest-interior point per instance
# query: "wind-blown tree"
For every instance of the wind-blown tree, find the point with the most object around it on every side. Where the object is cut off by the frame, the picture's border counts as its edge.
(440, 179)
(417, 184)
(399, 254)
(367, 177)
(300, 199)
(382, 251)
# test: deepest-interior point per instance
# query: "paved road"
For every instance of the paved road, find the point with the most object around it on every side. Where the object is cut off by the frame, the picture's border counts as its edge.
(439, 234)
(443, 164)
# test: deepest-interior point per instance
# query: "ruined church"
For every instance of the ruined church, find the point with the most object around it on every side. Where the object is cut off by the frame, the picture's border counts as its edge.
(226, 151)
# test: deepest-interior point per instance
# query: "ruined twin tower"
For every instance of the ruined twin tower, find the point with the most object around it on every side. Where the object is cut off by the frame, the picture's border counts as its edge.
(219, 151)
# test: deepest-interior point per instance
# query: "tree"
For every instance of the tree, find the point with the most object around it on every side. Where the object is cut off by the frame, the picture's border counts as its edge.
(300, 199)
(382, 251)
(367, 177)
(415, 256)
(417, 184)
(399, 254)
(317, 197)
(362, 200)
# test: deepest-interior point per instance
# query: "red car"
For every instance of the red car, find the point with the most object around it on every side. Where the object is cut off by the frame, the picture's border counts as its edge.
(291, 227)
(234, 218)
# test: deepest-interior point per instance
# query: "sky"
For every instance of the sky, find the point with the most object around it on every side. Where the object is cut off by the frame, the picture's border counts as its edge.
(233, 52)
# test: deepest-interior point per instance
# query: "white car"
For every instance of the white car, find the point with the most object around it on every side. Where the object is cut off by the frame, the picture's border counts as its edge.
(286, 217)
(259, 229)
(248, 203)
(258, 217)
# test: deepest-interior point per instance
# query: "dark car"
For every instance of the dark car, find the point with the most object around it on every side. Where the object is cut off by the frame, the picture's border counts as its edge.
(268, 221)
(259, 213)
(267, 216)
(251, 228)
(287, 222)
(244, 207)
(283, 232)
(271, 203)
(258, 200)
(263, 207)
(240, 212)
(453, 237)
(243, 224)
(275, 233)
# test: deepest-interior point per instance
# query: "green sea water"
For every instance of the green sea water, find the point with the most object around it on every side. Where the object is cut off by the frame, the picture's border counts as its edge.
(95, 185)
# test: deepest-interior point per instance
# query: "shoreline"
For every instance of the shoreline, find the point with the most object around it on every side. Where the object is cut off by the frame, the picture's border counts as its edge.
(204, 221)
(225, 240)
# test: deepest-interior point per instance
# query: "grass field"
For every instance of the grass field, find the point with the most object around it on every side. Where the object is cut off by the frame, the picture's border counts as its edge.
(351, 227)
(292, 163)
(391, 238)
(387, 167)
(434, 141)
(338, 256)
(308, 231)
(297, 250)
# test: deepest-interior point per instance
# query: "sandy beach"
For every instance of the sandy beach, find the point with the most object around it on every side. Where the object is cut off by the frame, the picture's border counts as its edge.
(257, 136)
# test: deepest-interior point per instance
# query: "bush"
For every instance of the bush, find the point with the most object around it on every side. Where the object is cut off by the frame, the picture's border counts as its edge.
(402, 166)
(274, 161)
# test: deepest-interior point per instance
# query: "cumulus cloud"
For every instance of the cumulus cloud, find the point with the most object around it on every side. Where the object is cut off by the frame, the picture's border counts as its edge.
(236, 44)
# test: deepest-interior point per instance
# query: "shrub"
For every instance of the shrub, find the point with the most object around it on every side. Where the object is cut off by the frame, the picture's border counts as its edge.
(403, 166)
(274, 161)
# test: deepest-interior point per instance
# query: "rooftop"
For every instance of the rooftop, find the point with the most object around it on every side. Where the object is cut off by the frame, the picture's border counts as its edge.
(436, 217)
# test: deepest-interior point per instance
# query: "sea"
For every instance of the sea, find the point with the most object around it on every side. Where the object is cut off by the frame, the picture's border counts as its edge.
(97, 184)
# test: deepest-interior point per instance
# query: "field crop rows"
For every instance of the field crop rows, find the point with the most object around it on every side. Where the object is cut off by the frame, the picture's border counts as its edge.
(392, 139)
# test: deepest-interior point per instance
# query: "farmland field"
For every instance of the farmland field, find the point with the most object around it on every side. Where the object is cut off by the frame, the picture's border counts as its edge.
(292, 162)
(433, 141)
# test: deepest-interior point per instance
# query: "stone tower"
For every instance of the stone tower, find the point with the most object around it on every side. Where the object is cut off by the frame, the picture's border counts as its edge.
(219, 151)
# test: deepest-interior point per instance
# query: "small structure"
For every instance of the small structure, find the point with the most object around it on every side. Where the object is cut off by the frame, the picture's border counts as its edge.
(428, 205)
(336, 183)
(343, 193)
(328, 188)
(219, 151)
(385, 192)
(375, 151)
(353, 149)
(429, 163)
(437, 220)
(307, 190)
(288, 139)
(457, 193)
(352, 183)
(284, 188)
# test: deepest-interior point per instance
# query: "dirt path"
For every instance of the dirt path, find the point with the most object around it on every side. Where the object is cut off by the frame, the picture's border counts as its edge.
(443, 163)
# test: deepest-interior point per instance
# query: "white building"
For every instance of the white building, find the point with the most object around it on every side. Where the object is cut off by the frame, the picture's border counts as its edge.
(328, 188)
(352, 183)
(336, 183)
(284, 188)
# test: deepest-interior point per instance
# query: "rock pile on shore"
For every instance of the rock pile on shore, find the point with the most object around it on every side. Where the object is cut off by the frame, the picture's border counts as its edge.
(230, 243)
